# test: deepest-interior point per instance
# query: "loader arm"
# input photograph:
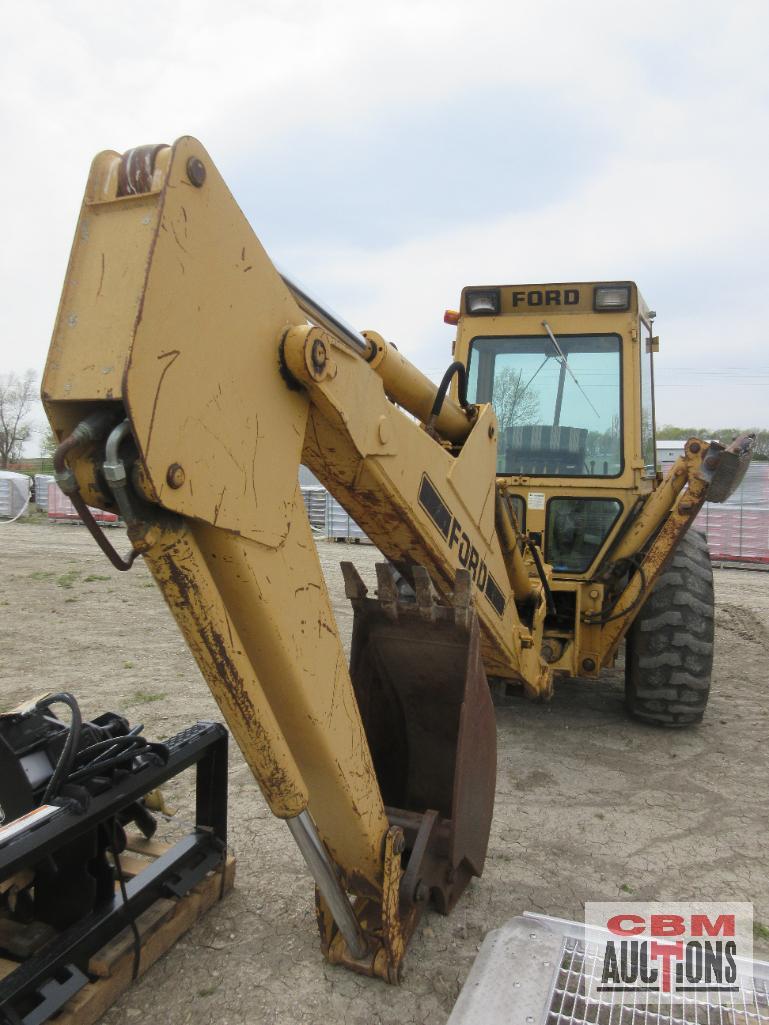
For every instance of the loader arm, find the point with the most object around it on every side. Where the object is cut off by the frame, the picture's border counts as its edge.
(186, 387)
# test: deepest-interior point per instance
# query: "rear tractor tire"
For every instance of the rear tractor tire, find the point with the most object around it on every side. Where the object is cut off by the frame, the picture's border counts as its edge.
(669, 647)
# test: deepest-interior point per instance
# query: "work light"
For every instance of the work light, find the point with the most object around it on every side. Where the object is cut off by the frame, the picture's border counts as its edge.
(611, 297)
(483, 304)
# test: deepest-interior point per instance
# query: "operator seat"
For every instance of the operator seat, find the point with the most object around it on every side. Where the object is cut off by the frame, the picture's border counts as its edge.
(543, 449)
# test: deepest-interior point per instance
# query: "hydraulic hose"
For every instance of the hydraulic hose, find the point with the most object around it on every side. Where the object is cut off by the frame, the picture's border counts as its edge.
(98, 535)
(67, 757)
(111, 744)
(92, 428)
(70, 442)
(461, 372)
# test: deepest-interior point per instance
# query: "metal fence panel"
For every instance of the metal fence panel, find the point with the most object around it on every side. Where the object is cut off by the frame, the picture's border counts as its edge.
(42, 480)
(339, 525)
(315, 499)
(738, 530)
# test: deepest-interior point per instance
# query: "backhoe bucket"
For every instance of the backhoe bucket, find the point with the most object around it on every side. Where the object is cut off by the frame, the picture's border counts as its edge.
(426, 708)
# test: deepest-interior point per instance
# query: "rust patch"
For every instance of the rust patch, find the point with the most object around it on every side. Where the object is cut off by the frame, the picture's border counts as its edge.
(212, 653)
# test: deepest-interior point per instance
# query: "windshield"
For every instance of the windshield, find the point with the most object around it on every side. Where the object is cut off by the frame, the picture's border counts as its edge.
(557, 399)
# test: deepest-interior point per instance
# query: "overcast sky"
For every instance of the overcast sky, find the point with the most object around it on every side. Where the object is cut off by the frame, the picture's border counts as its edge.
(389, 153)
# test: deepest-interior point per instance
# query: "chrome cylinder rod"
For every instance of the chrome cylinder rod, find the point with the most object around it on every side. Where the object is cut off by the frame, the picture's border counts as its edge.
(323, 872)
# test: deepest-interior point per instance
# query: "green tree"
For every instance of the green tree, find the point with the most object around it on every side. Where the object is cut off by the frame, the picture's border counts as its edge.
(723, 434)
(48, 442)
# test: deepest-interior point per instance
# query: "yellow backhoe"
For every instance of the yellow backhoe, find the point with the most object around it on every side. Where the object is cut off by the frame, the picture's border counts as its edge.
(517, 504)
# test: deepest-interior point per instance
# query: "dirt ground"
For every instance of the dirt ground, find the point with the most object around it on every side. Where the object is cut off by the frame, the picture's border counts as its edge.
(589, 805)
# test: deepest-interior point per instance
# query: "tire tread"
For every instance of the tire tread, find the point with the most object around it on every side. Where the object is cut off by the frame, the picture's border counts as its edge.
(669, 651)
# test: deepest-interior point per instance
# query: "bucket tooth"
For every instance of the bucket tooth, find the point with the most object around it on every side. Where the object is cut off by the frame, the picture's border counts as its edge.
(426, 709)
(354, 587)
(387, 589)
(463, 599)
(425, 594)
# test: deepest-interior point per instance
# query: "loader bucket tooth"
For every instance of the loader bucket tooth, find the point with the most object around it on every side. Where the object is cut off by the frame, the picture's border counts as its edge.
(425, 703)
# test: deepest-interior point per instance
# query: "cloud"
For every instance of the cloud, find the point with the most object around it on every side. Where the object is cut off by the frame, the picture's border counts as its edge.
(390, 154)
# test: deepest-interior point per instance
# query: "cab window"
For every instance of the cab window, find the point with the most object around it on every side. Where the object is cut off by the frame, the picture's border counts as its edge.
(648, 449)
(557, 402)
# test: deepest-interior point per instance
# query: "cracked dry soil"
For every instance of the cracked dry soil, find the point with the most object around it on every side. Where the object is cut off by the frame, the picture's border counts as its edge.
(589, 805)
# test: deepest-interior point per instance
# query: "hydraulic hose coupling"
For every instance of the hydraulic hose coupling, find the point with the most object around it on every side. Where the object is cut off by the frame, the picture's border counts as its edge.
(66, 481)
(114, 467)
(94, 427)
(115, 471)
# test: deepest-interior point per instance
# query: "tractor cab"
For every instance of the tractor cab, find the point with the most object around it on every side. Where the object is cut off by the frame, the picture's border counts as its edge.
(568, 369)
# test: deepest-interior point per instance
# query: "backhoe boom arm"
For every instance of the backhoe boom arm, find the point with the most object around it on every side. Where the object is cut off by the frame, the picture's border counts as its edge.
(174, 323)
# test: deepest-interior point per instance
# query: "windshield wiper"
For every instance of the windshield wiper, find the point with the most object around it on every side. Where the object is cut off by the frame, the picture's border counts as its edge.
(565, 364)
(526, 386)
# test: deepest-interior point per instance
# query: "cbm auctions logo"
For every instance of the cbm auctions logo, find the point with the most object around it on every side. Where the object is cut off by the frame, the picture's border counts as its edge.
(666, 950)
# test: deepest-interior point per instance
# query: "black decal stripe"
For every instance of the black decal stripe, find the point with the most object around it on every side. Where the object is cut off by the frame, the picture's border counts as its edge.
(439, 513)
(494, 595)
(434, 506)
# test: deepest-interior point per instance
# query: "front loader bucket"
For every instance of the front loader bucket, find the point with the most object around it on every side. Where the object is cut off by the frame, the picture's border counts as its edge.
(724, 468)
(426, 708)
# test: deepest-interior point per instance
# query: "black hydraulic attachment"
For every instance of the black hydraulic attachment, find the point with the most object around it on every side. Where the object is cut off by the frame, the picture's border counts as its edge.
(67, 792)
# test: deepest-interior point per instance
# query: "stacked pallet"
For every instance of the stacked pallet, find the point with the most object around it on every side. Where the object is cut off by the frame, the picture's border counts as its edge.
(111, 969)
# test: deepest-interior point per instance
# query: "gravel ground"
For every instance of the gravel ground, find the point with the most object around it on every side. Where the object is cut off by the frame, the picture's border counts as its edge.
(589, 805)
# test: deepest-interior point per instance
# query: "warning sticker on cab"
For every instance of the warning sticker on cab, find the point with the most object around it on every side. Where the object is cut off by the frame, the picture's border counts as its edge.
(536, 500)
